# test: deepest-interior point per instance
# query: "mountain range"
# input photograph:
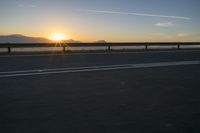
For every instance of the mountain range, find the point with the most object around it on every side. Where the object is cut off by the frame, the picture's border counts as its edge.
(17, 38)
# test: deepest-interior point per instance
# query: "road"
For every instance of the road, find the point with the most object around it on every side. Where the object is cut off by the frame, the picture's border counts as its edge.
(104, 92)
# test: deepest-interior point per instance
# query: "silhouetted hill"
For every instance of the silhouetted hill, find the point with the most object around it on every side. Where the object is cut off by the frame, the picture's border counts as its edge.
(16, 38)
(100, 41)
(72, 41)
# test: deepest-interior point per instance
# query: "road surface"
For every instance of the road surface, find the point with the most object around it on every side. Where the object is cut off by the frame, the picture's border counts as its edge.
(100, 93)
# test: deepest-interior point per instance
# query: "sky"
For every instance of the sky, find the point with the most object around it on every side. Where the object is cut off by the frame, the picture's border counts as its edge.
(110, 20)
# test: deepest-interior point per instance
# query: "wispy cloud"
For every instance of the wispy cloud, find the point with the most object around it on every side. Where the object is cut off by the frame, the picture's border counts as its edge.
(179, 35)
(165, 24)
(136, 14)
(32, 6)
(20, 5)
(23, 6)
(182, 34)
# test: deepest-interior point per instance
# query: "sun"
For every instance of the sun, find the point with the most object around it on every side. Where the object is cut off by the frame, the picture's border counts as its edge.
(58, 37)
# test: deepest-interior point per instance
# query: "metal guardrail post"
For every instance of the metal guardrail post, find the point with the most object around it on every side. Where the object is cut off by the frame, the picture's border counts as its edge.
(109, 47)
(9, 49)
(146, 46)
(178, 47)
(64, 49)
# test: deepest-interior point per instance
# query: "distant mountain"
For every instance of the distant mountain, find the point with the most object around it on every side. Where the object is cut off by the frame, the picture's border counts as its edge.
(17, 38)
(72, 41)
(100, 41)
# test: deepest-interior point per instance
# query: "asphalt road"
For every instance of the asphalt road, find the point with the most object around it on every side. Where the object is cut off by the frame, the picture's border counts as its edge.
(158, 99)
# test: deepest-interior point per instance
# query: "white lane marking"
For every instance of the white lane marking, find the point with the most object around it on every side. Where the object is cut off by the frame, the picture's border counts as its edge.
(100, 53)
(62, 69)
(101, 68)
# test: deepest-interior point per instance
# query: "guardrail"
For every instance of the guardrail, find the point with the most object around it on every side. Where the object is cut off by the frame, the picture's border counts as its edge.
(108, 45)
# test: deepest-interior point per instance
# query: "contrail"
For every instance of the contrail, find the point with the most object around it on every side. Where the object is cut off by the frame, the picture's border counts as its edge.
(137, 14)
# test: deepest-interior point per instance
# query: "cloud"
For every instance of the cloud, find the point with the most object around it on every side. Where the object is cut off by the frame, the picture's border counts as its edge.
(20, 5)
(172, 36)
(157, 34)
(182, 34)
(166, 24)
(24, 6)
(32, 6)
(163, 35)
(136, 14)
